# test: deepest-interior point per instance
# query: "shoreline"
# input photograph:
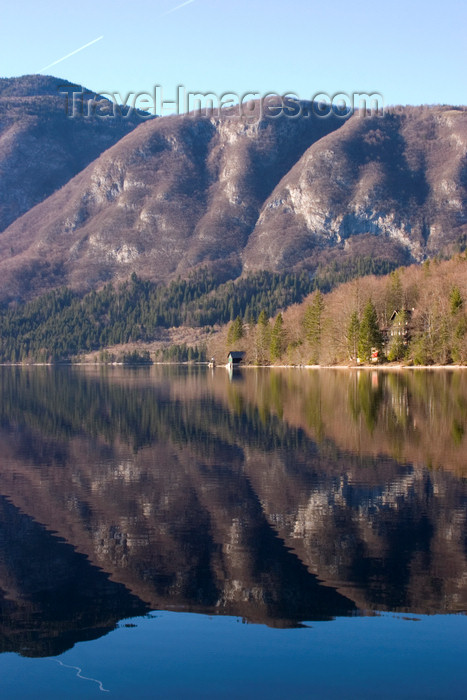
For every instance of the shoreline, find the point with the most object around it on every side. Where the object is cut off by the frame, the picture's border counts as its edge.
(366, 367)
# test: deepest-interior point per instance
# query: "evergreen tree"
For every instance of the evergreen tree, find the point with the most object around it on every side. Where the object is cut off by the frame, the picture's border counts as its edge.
(459, 347)
(262, 340)
(312, 325)
(370, 337)
(235, 331)
(455, 300)
(277, 339)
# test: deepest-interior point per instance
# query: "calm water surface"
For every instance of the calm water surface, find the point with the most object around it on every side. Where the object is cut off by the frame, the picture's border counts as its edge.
(173, 532)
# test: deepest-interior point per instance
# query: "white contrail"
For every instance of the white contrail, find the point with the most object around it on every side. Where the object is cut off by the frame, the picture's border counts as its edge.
(84, 678)
(76, 51)
(174, 9)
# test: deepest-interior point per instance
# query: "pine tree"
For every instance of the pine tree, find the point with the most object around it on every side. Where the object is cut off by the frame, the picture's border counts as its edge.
(369, 335)
(263, 335)
(235, 331)
(277, 339)
(312, 325)
(455, 300)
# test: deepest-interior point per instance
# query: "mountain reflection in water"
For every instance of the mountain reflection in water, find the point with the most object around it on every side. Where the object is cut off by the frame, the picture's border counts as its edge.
(281, 497)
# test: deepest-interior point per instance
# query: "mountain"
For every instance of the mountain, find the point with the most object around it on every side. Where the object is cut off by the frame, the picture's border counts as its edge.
(176, 193)
(41, 145)
(242, 194)
(392, 186)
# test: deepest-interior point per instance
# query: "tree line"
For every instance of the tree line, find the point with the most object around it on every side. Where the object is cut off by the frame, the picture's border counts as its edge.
(415, 315)
(62, 324)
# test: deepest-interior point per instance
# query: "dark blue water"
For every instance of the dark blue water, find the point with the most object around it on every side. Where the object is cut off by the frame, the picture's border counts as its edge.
(176, 532)
(182, 655)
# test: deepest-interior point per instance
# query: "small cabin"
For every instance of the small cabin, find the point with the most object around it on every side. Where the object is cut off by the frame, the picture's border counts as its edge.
(235, 357)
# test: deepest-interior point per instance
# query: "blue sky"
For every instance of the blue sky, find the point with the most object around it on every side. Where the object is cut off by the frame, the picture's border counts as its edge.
(412, 52)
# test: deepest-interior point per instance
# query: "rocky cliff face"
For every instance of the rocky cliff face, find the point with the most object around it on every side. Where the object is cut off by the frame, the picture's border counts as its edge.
(396, 183)
(237, 194)
(177, 193)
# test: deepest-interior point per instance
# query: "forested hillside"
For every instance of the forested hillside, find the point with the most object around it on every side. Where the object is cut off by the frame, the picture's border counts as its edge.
(415, 314)
(61, 324)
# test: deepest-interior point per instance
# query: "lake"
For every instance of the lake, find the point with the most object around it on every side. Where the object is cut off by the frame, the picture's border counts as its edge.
(179, 532)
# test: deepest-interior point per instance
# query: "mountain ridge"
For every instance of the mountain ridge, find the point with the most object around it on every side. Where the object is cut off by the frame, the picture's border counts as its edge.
(243, 194)
(41, 146)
